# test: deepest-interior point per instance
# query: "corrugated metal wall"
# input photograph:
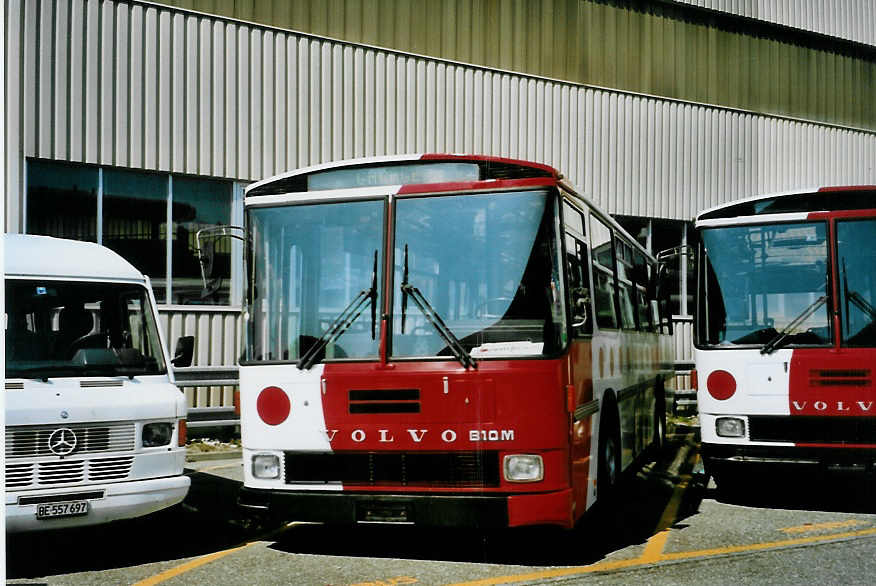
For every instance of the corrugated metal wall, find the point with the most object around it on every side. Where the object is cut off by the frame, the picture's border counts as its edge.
(218, 334)
(660, 48)
(153, 88)
(854, 20)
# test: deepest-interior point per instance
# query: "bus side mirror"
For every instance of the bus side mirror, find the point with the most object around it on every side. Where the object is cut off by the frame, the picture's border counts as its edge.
(185, 351)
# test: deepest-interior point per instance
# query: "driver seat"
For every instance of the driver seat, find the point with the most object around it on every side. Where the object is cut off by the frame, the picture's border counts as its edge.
(75, 322)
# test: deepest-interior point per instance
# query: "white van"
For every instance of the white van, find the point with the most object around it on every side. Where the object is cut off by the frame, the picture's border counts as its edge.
(95, 428)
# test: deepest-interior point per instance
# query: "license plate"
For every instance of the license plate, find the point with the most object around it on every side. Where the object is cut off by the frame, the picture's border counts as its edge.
(65, 509)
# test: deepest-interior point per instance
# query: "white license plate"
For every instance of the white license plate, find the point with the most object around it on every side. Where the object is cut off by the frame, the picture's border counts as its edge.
(66, 509)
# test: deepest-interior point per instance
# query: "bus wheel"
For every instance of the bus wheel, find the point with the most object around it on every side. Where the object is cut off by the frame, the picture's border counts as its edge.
(609, 471)
(659, 426)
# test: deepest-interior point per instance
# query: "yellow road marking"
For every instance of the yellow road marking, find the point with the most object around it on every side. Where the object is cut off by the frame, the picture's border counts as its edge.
(684, 555)
(191, 565)
(206, 559)
(820, 526)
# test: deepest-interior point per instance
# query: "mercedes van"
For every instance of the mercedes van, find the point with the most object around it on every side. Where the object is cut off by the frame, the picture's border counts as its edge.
(95, 427)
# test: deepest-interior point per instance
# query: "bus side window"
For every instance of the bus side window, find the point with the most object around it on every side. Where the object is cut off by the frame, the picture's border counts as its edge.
(579, 286)
(602, 253)
(641, 274)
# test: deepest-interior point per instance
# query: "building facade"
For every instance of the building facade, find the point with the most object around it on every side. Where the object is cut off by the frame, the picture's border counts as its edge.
(135, 124)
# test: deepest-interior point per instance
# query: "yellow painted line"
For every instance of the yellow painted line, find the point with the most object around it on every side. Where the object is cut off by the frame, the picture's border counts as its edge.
(191, 565)
(654, 548)
(808, 527)
(767, 545)
(680, 556)
(206, 559)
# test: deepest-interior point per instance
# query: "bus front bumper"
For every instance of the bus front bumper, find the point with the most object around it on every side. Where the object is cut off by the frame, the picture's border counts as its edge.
(726, 458)
(436, 510)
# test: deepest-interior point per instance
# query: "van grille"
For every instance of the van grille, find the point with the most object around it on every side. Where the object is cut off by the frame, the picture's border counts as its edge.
(415, 469)
(28, 441)
(67, 472)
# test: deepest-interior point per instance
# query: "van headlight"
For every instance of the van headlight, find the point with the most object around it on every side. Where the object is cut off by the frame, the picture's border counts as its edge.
(523, 468)
(265, 466)
(157, 434)
(730, 427)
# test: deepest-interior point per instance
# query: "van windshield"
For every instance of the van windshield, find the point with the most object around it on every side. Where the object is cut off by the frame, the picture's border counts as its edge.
(64, 328)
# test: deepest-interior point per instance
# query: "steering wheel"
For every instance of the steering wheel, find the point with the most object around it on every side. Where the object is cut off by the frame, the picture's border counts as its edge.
(86, 341)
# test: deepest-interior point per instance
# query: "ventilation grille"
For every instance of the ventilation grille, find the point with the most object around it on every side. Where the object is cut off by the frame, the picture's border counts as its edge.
(95, 384)
(15, 386)
(415, 469)
(28, 441)
(67, 472)
(840, 378)
(384, 401)
(813, 430)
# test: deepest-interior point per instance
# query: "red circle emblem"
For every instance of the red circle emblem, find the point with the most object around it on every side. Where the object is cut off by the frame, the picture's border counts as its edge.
(721, 384)
(273, 405)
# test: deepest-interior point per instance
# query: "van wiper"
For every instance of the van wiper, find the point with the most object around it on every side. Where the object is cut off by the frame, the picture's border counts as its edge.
(782, 338)
(432, 317)
(344, 320)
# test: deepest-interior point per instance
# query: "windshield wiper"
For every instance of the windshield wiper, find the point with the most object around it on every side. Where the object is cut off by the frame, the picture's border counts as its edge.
(784, 335)
(432, 317)
(344, 320)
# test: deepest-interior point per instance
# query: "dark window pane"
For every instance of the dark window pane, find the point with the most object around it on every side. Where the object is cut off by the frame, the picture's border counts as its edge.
(62, 200)
(198, 204)
(135, 222)
(603, 274)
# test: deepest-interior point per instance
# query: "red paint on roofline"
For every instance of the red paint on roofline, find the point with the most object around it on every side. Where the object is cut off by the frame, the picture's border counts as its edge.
(491, 184)
(848, 188)
(866, 213)
(523, 163)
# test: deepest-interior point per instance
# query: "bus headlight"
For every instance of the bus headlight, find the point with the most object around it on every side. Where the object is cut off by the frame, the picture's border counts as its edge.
(730, 427)
(265, 466)
(523, 468)
(157, 434)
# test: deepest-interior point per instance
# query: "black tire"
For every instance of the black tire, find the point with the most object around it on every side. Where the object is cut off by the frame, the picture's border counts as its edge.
(659, 439)
(609, 465)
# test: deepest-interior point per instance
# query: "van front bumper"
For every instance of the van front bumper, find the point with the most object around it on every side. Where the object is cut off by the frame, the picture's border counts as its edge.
(106, 502)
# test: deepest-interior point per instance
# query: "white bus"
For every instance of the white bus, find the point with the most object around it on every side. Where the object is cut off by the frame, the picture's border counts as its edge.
(95, 428)
(502, 363)
(786, 332)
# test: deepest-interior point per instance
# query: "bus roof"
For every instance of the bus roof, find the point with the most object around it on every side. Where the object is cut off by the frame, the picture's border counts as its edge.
(44, 256)
(488, 168)
(802, 201)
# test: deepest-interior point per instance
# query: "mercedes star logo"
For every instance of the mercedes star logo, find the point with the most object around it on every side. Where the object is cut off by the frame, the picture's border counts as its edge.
(62, 442)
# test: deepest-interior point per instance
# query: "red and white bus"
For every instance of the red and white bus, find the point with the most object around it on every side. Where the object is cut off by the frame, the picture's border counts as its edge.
(442, 340)
(786, 331)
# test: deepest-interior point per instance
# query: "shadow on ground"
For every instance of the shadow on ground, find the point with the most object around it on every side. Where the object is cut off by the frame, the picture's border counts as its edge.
(207, 521)
(604, 530)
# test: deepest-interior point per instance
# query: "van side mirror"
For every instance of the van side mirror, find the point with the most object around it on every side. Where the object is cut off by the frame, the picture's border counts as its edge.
(185, 351)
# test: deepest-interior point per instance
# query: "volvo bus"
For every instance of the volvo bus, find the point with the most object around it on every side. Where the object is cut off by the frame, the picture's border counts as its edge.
(443, 340)
(786, 332)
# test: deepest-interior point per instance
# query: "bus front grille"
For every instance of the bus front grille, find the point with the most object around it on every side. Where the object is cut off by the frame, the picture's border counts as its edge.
(67, 472)
(471, 469)
(813, 430)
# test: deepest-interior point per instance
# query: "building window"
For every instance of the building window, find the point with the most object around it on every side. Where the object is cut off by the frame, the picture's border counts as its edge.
(62, 201)
(657, 235)
(135, 222)
(129, 212)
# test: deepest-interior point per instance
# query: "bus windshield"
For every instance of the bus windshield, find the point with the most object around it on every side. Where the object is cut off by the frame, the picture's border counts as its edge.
(488, 265)
(308, 265)
(71, 328)
(857, 270)
(763, 284)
